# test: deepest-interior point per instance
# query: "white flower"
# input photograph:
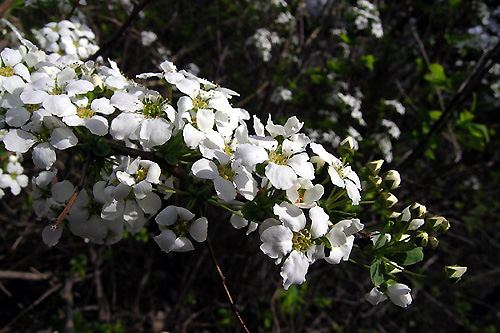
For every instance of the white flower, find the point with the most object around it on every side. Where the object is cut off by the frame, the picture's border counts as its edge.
(341, 240)
(340, 175)
(400, 294)
(181, 225)
(304, 194)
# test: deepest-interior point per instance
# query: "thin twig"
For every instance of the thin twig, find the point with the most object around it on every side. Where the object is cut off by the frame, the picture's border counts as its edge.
(421, 46)
(23, 275)
(114, 39)
(35, 303)
(223, 280)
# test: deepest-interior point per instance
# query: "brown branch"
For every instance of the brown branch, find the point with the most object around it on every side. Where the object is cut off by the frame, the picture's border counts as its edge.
(5, 7)
(23, 275)
(223, 280)
(35, 303)
(114, 39)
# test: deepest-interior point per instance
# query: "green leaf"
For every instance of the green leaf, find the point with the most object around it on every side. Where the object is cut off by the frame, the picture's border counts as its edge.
(369, 61)
(435, 115)
(436, 74)
(466, 116)
(407, 258)
(377, 273)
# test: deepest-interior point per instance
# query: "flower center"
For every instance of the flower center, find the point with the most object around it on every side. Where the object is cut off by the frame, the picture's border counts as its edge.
(278, 157)
(302, 240)
(85, 113)
(153, 107)
(301, 193)
(181, 228)
(6, 71)
(141, 174)
(226, 172)
(32, 107)
(199, 103)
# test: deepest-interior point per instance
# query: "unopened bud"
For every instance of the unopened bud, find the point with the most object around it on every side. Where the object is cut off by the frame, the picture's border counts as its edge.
(415, 224)
(422, 238)
(392, 179)
(374, 167)
(433, 242)
(347, 146)
(389, 199)
(439, 223)
(417, 210)
(454, 273)
(97, 81)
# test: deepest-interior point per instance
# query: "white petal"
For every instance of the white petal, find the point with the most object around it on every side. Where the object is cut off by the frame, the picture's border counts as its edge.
(97, 125)
(301, 166)
(294, 269)
(281, 176)
(205, 169)
(17, 117)
(62, 138)
(51, 235)
(319, 219)
(44, 155)
(123, 125)
(238, 222)
(59, 105)
(192, 136)
(198, 229)
(290, 215)
(250, 155)
(150, 204)
(225, 189)
(276, 241)
(62, 191)
(76, 87)
(18, 141)
(102, 105)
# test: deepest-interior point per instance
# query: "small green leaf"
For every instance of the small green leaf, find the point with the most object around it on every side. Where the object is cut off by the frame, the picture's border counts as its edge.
(369, 61)
(407, 258)
(435, 115)
(436, 74)
(377, 273)
(466, 116)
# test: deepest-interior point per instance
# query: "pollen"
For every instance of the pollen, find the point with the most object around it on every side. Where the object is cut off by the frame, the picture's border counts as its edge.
(226, 172)
(181, 228)
(302, 240)
(153, 107)
(6, 71)
(85, 113)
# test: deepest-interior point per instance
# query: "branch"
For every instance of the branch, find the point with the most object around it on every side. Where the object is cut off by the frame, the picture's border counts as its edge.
(223, 280)
(482, 67)
(111, 41)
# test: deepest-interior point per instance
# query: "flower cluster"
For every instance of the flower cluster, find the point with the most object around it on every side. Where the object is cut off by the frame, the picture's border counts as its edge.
(67, 37)
(136, 148)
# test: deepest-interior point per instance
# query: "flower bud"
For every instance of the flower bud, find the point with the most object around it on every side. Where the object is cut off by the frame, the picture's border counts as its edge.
(422, 238)
(454, 273)
(438, 224)
(433, 242)
(415, 224)
(376, 181)
(417, 210)
(392, 179)
(388, 199)
(347, 146)
(374, 167)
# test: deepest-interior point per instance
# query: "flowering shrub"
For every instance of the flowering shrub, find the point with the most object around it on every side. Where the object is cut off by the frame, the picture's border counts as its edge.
(111, 157)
